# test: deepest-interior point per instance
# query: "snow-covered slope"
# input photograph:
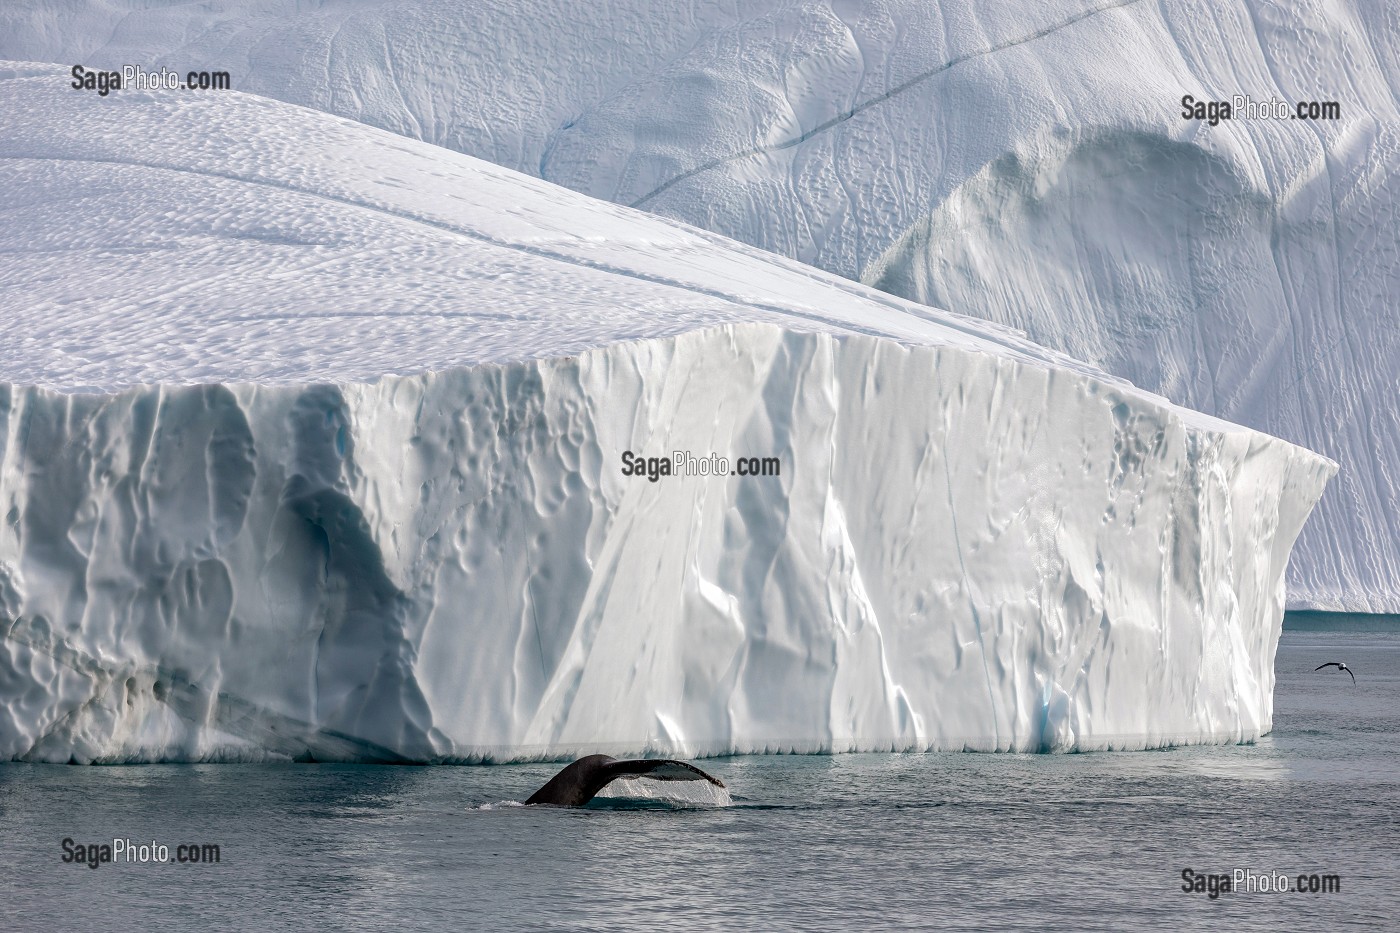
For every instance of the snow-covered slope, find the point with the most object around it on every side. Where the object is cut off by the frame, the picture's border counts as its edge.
(1026, 163)
(311, 443)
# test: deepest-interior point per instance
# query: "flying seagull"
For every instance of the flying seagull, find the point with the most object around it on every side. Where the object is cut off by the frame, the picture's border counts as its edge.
(1339, 665)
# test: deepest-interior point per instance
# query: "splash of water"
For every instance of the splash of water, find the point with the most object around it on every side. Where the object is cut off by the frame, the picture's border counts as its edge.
(680, 793)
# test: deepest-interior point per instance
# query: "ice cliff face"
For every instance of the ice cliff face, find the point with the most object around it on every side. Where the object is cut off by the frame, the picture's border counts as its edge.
(311, 445)
(961, 552)
(1026, 164)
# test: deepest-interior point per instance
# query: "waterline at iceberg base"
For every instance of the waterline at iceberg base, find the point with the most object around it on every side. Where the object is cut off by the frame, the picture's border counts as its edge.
(962, 551)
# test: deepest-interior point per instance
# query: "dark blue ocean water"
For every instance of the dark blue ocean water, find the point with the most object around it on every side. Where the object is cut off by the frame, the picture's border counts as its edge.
(1072, 842)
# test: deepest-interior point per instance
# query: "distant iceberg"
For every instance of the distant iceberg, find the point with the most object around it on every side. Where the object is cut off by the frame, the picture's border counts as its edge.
(312, 443)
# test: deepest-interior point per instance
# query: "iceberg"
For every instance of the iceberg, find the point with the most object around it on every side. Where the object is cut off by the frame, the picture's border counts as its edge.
(314, 445)
(1028, 165)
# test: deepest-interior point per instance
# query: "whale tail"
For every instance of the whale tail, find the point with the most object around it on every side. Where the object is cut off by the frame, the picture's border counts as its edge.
(661, 769)
(579, 782)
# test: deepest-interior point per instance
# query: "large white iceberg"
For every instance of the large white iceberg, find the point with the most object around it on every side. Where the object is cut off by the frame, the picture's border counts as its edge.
(312, 443)
(1024, 163)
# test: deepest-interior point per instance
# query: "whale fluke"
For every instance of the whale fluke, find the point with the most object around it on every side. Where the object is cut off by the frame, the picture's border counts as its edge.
(580, 782)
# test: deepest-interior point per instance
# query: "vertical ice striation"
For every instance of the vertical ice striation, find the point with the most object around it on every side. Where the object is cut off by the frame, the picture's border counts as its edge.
(961, 551)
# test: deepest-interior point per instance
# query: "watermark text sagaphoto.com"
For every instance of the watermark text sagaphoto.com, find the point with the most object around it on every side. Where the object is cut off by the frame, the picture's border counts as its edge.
(126, 852)
(1243, 107)
(1248, 881)
(685, 463)
(134, 77)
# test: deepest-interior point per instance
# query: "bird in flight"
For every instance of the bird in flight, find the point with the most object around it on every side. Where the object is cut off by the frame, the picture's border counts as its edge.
(1339, 665)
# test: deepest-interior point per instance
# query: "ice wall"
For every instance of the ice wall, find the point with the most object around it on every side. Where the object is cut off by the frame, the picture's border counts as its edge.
(962, 551)
(311, 445)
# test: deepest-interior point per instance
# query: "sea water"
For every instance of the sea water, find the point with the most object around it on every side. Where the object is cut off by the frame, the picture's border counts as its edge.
(1084, 841)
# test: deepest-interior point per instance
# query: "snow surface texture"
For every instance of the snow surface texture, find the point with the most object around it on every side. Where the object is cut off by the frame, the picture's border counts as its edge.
(973, 543)
(1024, 163)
